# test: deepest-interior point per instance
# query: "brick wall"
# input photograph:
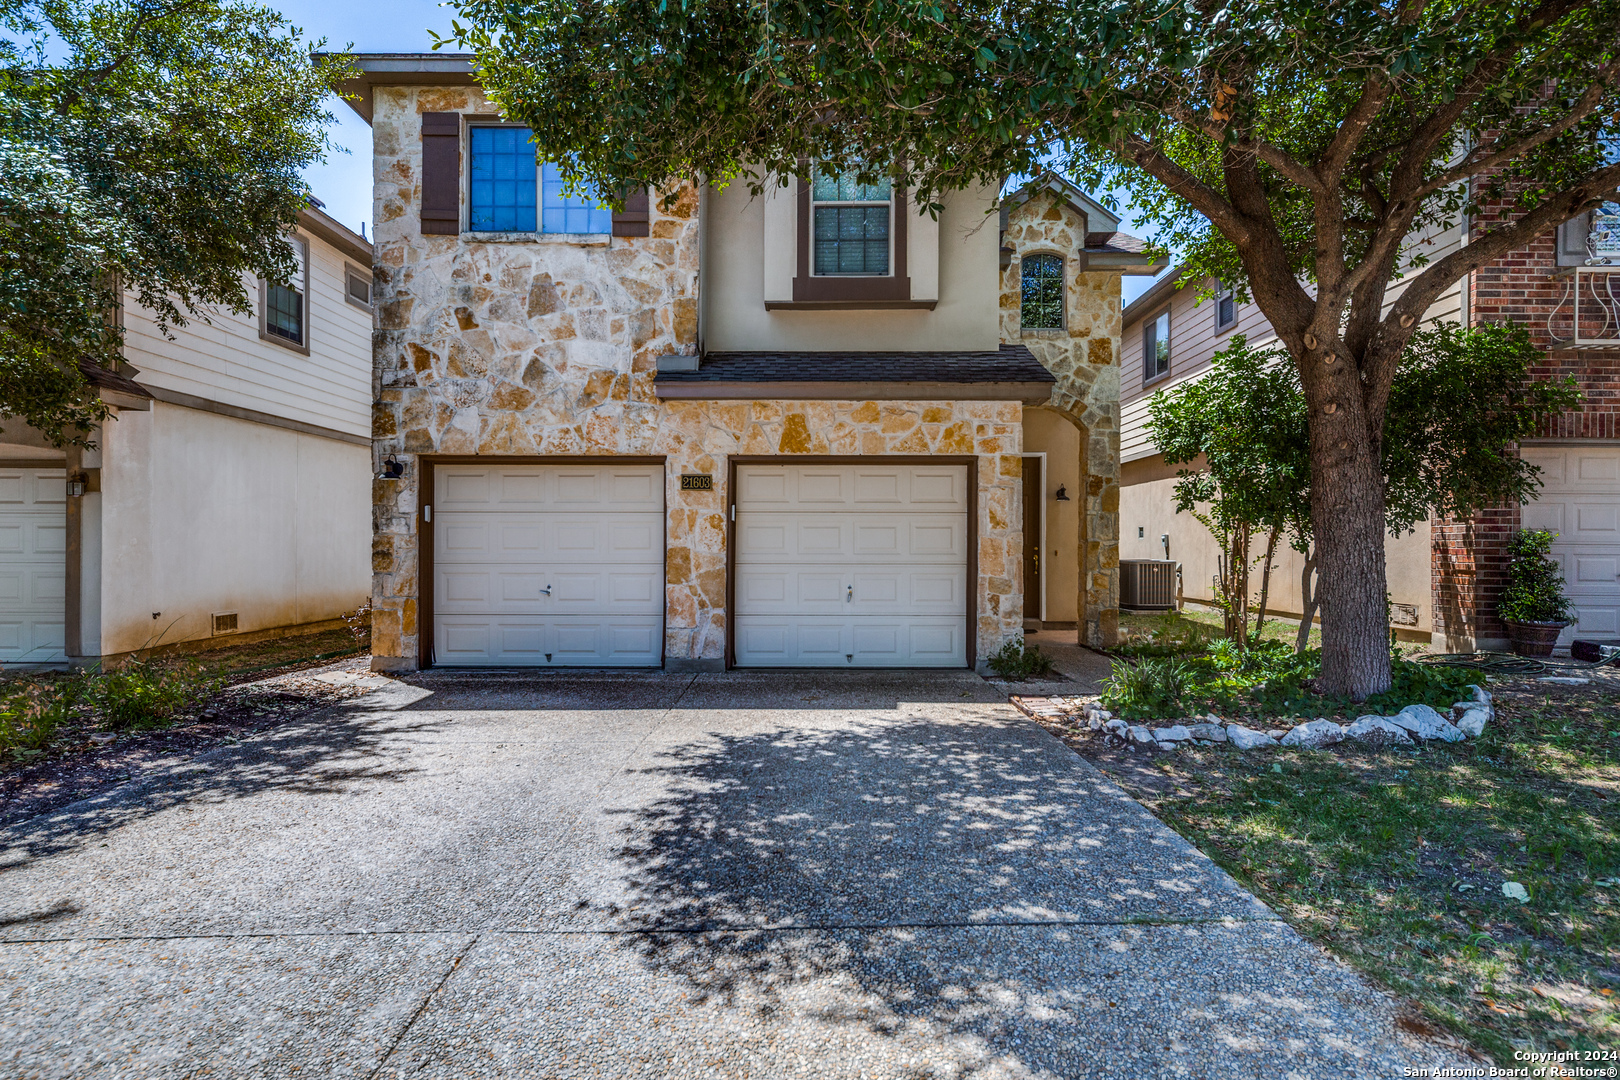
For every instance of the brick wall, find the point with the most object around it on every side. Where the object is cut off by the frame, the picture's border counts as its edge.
(1470, 558)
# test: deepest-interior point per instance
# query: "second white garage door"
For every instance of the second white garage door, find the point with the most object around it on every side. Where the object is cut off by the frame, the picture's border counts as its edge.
(33, 575)
(851, 565)
(548, 565)
(1580, 501)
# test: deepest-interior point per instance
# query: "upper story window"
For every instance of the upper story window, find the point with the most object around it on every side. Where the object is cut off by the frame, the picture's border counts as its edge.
(284, 309)
(1156, 346)
(509, 192)
(850, 226)
(1041, 305)
(1225, 308)
(356, 286)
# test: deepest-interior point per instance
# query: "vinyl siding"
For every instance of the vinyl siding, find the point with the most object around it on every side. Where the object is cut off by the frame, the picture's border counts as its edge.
(223, 359)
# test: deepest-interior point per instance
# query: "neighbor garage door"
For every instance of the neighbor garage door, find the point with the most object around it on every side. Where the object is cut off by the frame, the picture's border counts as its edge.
(852, 565)
(1580, 500)
(548, 565)
(33, 567)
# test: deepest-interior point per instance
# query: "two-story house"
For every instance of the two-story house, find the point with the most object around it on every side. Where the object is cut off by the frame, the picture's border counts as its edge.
(226, 499)
(1444, 577)
(813, 427)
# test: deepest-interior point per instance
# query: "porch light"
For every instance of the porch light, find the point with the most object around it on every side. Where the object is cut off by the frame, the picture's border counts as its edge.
(392, 469)
(77, 484)
(1062, 493)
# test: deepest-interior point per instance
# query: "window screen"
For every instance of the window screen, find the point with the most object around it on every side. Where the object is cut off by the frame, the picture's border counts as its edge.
(1041, 306)
(284, 313)
(360, 289)
(851, 225)
(501, 194)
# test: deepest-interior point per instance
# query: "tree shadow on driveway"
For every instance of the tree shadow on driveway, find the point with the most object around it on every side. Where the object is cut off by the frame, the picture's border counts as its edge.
(973, 890)
(324, 751)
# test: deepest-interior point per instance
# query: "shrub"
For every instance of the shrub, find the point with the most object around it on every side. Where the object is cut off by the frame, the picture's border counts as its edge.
(1172, 635)
(1535, 589)
(1016, 660)
(139, 694)
(31, 712)
(1148, 688)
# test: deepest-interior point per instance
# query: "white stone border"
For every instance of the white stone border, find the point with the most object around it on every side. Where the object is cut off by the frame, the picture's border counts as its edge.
(1415, 723)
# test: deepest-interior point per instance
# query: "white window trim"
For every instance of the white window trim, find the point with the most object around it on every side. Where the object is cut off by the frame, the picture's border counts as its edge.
(811, 237)
(303, 294)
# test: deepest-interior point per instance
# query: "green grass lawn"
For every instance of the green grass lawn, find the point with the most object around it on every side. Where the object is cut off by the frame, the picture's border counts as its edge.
(1396, 860)
(1205, 622)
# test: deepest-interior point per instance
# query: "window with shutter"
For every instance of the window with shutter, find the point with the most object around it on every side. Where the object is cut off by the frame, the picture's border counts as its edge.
(636, 217)
(441, 174)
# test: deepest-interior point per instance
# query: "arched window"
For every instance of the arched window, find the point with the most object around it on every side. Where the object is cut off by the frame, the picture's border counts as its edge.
(1042, 306)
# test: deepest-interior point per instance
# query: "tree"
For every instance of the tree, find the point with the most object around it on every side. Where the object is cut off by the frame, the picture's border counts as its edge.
(1292, 148)
(1457, 408)
(153, 146)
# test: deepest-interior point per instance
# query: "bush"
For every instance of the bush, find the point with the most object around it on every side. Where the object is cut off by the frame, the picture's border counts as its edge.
(1535, 589)
(140, 695)
(32, 711)
(1016, 660)
(1172, 635)
(1148, 688)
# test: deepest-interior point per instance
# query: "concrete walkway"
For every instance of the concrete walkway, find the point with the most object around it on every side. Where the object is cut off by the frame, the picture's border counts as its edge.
(765, 875)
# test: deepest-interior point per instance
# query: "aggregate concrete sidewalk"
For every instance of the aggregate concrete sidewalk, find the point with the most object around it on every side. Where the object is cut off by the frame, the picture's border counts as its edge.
(644, 875)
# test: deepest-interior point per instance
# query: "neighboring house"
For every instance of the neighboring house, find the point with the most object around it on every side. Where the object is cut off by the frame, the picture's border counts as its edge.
(1444, 577)
(226, 499)
(798, 429)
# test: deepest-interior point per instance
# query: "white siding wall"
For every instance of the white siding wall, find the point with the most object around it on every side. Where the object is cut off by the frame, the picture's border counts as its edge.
(204, 513)
(224, 360)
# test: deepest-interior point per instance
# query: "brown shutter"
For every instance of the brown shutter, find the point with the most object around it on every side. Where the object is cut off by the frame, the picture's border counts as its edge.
(634, 219)
(441, 174)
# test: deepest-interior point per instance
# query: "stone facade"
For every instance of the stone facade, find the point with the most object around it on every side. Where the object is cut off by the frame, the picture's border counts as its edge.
(1084, 356)
(548, 347)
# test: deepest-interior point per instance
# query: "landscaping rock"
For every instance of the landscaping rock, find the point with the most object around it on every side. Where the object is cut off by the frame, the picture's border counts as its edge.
(1208, 732)
(1314, 734)
(1095, 723)
(1174, 733)
(1277, 732)
(1139, 735)
(1423, 722)
(1247, 738)
(1564, 680)
(1168, 745)
(1472, 723)
(1118, 727)
(1479, 693)
(1377, 728)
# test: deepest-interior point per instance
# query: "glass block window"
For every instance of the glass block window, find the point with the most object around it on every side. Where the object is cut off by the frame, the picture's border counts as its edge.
(284, 313)
(850, 223)
(502, 189)
(560, 213)
(1041, 307)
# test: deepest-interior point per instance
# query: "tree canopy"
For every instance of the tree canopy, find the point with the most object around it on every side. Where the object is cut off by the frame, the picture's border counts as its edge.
(153, 146)
(1299, 150)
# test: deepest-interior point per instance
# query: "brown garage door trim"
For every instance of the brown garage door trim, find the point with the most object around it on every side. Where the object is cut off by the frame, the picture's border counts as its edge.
(426, 494)
(972, 463)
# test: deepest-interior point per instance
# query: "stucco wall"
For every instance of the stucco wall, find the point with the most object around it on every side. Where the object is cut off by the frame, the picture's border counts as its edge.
(735, 317)
(1084, 356)
(1056, 436)
(202, 513)
(549, 348)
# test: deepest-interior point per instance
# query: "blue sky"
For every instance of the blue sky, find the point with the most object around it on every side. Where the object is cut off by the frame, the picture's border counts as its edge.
(343, 181)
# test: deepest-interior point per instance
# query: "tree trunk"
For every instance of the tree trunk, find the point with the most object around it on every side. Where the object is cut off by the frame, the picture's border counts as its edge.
(1265, 584)
(1347, 519)
(1307, 597)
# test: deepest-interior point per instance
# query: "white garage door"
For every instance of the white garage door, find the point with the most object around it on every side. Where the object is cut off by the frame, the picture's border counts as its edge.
(1581, 503)
(33, 568)
(851, 565)
(548, 565)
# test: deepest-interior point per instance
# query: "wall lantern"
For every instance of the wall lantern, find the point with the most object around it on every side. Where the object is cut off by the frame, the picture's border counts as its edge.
(1062, 493)
(77, 484)
(392, 469)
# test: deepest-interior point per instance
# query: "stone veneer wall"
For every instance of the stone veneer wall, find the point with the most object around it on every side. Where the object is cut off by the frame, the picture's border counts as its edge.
(549, 348)
(1084, 356)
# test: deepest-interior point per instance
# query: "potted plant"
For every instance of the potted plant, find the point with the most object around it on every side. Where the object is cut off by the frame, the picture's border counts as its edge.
(1533, 606)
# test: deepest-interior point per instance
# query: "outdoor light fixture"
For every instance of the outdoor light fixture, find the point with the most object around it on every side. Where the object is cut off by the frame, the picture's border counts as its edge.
(392, 469)
(1062, 494)
(77, 484)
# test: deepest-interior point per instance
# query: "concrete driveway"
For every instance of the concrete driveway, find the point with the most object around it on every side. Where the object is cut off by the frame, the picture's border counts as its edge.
(645, 875)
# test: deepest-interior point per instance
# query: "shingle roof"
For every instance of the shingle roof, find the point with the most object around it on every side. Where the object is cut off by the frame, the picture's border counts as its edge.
(1123, 243)
(1011, 363)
